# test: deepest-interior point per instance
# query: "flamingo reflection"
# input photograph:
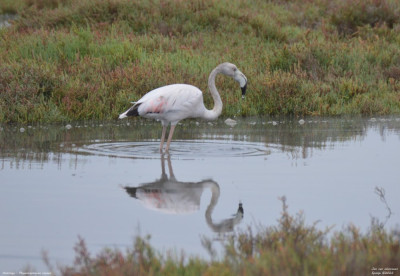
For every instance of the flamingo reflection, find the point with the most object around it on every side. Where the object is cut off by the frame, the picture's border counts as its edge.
(169, 195)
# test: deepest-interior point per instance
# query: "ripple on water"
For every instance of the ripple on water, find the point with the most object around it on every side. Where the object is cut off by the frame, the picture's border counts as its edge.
(192, 149)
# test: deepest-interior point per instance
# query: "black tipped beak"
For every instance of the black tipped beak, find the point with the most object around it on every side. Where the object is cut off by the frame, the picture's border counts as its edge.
(244, 90)
(240, 209)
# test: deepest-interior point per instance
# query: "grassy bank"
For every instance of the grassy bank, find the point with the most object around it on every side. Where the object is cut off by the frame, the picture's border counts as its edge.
(289, 248)
(73, 60)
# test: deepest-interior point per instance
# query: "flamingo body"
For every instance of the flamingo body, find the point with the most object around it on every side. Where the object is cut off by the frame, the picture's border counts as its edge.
(169, 104)
(172, 103)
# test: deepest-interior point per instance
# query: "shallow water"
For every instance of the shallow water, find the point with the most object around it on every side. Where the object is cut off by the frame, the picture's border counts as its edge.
(107, 182)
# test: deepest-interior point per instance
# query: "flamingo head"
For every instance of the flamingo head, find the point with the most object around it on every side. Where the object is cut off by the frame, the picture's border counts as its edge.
(231, 70)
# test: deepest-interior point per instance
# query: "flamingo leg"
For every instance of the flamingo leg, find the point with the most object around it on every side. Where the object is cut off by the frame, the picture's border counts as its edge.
(171, 132)
(164, 130)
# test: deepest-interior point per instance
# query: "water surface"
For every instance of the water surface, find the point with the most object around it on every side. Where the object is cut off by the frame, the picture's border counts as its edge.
(107, 182)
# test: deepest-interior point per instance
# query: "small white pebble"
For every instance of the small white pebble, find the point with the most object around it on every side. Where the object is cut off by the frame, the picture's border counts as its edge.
(301, 122)
(68, 126)
(274, 123)
(230, 122)
(373, 119)
(22, 129)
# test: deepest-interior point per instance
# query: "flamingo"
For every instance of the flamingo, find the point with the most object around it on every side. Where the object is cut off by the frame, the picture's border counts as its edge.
(169, 195)
(172, 103)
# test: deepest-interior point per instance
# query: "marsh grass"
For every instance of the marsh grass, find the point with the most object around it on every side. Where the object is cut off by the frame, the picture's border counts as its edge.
(291, 247)
(74, 60)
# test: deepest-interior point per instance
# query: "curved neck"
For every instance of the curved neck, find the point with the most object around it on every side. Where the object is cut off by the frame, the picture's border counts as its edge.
(215, 192)
(216, 111)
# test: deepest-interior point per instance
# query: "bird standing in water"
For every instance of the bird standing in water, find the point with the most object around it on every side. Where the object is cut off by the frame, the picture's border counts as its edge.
(172, 103)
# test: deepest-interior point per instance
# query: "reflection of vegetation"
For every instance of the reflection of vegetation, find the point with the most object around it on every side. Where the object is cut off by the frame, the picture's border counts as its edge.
(382, 196)
(41, 142)
(289, 248)
(44, 141)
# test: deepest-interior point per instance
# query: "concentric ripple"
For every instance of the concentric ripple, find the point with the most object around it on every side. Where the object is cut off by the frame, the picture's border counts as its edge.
(187, 149)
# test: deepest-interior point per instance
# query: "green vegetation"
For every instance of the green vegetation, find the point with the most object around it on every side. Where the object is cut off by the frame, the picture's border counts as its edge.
(73, 60)
(289, 248)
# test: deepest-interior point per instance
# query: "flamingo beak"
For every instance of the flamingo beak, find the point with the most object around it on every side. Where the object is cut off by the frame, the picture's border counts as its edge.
(244, 90)
(242, 80)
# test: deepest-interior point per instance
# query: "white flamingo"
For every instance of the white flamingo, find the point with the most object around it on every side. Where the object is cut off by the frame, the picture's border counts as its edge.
(171, 196)
(175, 102)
